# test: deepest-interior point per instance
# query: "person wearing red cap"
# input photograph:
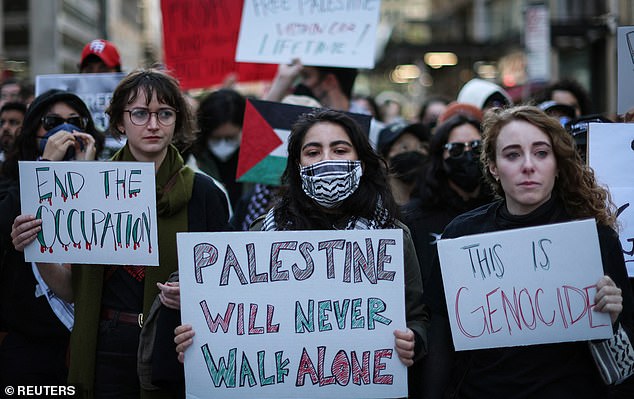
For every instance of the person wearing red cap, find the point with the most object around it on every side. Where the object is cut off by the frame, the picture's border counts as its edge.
(100, 56)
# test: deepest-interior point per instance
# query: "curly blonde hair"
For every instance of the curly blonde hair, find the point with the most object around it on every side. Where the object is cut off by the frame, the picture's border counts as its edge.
(575, 185)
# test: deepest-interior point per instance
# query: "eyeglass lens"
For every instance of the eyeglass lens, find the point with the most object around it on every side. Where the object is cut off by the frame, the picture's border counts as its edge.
(51, 121)
(456, 150)
(141, 116)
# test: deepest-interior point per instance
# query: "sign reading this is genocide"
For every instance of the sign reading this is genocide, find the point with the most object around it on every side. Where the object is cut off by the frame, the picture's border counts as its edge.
(525, 286)
(293, 314)
(92, 212)
(326, 33)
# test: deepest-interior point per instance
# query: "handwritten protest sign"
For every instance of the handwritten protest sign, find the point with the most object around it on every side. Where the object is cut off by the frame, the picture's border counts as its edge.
(92, 212)
(95, 89)
(293, 314)
(325, 33)
(200, 39)
(524, 286)
(611, 156)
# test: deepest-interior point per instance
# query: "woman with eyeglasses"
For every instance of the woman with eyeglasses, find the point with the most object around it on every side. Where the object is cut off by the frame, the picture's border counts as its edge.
(530, 162)
(112, 302)
(57, 126)
(450, 184)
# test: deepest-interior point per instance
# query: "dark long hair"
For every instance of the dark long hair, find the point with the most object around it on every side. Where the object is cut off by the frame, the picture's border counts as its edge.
(296, 211)
(433, 183)
(25, 147)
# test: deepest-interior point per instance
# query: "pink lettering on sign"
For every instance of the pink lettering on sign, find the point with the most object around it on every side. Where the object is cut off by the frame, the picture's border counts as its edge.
(511, 311)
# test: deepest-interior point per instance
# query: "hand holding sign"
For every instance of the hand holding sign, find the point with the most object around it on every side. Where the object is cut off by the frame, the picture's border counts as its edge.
(608, 298)
(24, 231)
(336, 336)
(527, 286)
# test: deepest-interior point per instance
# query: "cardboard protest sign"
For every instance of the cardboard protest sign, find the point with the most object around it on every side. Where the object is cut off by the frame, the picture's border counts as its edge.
(293, 314)
(95, 89)
(92, 212)
(625, 68)
(325, 33)
(200, 39)
(523, 287)
(611, 156)
(265, 132)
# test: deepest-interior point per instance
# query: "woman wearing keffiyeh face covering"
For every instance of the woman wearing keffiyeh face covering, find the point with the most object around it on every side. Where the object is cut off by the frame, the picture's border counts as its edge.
(334, 180)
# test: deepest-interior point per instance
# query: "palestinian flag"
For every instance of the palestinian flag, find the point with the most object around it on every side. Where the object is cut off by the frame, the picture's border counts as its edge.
(265, 132)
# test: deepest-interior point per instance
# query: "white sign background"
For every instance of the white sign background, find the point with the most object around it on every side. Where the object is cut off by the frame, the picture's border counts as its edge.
(625, 68)
(533, 265)
(283, 296)
(611, 156)
(115, 217)
(324, 33)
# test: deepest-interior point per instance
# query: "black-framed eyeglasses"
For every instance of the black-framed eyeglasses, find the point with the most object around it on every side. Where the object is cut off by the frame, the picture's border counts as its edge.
(141, 116)
(51, 121)
(456, 150)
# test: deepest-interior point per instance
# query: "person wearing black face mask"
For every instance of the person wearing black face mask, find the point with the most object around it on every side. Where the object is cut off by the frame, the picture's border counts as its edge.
(450, 183)
(405, 148)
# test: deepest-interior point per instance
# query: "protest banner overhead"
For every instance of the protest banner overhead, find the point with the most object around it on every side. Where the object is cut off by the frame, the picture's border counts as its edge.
(200, 39)
(324, 33)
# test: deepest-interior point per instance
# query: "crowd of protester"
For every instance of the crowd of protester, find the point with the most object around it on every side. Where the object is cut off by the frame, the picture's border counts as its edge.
(447, 171)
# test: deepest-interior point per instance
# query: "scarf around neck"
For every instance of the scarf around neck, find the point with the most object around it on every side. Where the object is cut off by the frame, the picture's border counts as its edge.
(173, 180)
(174, 185)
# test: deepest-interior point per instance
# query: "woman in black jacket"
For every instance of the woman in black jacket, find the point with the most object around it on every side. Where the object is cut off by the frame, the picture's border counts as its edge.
(451, 183)
(531, 163)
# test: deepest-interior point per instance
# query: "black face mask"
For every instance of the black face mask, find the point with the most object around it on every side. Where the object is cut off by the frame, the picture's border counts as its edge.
(406, 165)
(465, 171)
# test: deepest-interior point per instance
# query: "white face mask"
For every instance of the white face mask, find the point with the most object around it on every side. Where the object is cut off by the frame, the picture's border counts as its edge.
(223, 149)
(330, 182)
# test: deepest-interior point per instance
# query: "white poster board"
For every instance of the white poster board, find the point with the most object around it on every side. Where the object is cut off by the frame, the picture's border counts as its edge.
(524, 286)
(297, 314)
(611, 156)
(95, 89)
(625, 68)
(324, 33)
(92, 212)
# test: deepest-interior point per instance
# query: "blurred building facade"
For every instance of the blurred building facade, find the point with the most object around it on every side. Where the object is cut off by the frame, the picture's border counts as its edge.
(451, 42)
(424, 46)
(47, 36)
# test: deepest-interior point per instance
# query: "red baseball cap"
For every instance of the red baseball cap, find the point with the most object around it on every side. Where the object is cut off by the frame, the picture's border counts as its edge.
(103, 49)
